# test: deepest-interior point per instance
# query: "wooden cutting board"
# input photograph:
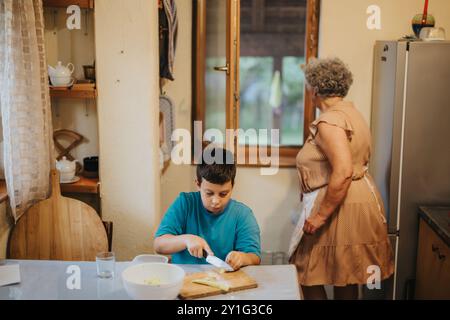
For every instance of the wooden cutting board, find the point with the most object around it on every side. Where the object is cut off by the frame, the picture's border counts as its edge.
(58, 228)
(237, 280)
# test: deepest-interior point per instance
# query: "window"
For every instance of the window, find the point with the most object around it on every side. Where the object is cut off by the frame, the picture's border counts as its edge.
(260, 44)
(255, 110)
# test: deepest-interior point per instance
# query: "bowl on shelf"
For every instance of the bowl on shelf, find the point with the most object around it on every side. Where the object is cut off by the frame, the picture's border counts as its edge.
(90, 166)
(153, 281)
(432, 34)
(89, 72)
(66, 169)
(64, 81)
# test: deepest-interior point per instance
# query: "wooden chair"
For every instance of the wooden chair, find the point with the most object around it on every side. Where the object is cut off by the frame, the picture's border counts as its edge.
(109, 232)
(58, 228)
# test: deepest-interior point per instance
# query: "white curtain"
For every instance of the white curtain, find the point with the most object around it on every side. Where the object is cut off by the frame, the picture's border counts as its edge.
(24, 102)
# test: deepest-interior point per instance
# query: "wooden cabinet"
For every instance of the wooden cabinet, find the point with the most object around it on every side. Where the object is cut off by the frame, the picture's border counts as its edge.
(433, 265)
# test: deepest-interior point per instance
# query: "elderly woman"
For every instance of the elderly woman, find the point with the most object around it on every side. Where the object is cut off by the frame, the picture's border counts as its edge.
(342, 229)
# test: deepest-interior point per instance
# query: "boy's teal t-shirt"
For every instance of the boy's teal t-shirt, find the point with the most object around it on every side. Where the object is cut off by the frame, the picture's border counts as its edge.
(235, 229)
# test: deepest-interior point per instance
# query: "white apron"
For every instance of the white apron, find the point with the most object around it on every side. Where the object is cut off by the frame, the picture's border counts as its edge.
(306, 206)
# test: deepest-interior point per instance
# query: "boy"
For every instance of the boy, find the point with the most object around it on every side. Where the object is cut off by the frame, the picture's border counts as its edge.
(210, 220)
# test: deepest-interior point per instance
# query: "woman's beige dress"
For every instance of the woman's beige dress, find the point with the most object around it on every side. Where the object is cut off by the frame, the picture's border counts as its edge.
(355, 236)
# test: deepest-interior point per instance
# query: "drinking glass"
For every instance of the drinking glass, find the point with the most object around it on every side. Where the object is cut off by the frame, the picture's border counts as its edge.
(105, 264)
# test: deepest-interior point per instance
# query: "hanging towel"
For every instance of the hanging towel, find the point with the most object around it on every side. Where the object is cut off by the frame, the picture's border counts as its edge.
(168, 21)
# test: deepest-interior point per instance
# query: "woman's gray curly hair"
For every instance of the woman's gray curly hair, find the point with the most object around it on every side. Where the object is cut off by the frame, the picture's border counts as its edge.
(329, 77)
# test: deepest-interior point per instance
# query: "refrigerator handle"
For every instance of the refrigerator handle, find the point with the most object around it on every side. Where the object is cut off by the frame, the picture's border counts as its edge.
(393, 232)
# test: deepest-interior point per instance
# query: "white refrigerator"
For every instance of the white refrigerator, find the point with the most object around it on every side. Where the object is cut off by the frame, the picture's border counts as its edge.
(410, 161)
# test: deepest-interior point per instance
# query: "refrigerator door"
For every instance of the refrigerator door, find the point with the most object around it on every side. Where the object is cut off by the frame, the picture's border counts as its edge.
(388, 78)
(423, 149)
(387, 95)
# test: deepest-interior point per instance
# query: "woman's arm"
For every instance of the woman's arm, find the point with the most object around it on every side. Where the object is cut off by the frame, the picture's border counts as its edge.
(333, 142)
(168, 244)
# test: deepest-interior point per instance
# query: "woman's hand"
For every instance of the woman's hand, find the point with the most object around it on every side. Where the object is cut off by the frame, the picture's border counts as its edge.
(195, 245)
(313, 223)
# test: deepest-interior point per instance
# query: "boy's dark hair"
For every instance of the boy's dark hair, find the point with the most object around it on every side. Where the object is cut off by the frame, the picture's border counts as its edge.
(217, 166)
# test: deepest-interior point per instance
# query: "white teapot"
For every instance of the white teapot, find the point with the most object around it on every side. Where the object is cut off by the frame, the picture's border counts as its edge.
(61, 75)
(66, 169)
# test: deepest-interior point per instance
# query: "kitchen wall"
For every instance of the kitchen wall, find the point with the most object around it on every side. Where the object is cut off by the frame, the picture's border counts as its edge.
(343, 33)
(349, 38)
(127, 78)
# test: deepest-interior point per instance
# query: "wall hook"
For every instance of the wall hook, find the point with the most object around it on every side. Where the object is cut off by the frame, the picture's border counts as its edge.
(55, 14)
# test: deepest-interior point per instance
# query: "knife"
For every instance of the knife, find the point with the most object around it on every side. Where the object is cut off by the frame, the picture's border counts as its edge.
(217, 262)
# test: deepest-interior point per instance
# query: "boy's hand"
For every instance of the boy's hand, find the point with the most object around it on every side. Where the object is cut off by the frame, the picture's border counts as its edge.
(235, 259)
(195, 245)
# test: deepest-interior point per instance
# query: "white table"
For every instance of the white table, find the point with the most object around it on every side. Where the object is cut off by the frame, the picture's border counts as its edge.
(44, 280)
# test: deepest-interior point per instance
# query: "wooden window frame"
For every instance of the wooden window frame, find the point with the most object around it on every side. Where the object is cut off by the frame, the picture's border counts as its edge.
(287, 154)
(84, 4)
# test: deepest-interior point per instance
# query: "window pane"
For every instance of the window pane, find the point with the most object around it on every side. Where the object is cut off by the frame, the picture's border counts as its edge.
(293, 86)
(255, 80)
(271, 81)
(215, 81)
(215, 95)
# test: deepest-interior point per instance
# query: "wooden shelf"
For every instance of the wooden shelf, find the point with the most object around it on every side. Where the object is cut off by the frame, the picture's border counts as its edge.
(85, 4)
(90, 93)
(84, 185)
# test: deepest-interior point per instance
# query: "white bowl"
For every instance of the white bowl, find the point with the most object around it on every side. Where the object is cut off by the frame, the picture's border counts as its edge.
(61, 81)
(66, 176)
(432, 34)
(143, 258)
(170, 279)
